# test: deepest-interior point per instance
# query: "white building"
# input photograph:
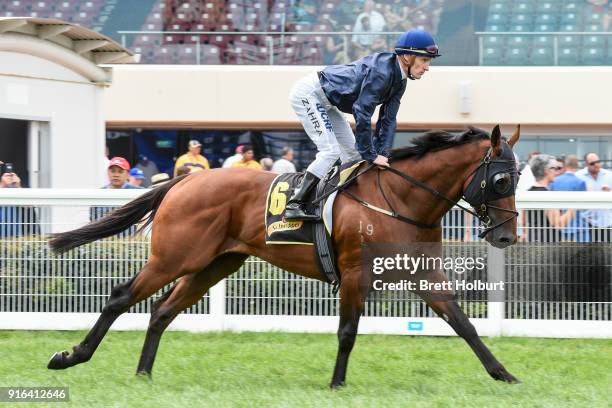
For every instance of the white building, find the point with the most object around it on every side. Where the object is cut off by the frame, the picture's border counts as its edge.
(51, 88)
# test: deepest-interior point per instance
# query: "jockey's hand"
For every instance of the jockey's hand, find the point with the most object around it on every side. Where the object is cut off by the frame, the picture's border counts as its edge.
(381, 161)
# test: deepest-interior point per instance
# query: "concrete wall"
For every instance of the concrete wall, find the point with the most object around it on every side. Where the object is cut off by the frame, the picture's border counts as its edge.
(216, 96)
(32, 88)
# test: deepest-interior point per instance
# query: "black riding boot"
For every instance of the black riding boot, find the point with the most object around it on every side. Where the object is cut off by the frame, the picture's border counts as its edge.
(295, 207)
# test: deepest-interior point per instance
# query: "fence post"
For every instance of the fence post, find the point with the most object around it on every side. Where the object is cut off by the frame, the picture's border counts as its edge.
(217, 304)
(495, 273)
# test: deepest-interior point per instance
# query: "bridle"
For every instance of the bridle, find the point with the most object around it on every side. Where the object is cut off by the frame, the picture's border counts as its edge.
(492, 179)
(498, 179)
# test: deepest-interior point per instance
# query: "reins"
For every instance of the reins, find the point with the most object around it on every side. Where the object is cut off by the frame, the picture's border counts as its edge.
(481, 213)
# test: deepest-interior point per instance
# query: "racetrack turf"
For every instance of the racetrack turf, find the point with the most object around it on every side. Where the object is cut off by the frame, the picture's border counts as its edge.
(281, 369)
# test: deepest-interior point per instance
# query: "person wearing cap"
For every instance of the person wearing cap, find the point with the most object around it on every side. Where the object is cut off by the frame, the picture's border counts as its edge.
(192, 159)
(137, 177)
(233, 159)
(358, 88)
(118, 174)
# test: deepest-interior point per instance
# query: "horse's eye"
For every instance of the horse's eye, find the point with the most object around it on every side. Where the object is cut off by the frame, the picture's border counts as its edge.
(502, 183)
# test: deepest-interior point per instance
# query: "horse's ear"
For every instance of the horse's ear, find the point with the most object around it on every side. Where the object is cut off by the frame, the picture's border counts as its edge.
(496, 140)
(515, 136)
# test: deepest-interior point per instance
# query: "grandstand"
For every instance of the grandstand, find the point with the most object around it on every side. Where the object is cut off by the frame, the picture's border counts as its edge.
(547, 32)
(287, 32)
(91, 13)
(228, 31)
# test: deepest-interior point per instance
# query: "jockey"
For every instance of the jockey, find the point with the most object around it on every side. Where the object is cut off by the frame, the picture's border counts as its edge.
(357, 88)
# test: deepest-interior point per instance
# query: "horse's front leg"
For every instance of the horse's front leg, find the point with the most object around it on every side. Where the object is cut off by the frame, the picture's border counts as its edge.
(447, 308)
(351, 307)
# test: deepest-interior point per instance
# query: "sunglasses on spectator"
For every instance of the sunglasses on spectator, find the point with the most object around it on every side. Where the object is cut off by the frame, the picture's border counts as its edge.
(594, 162)
(556, 168)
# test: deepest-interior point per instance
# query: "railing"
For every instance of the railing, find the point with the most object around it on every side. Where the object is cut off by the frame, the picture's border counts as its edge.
(556, 35)
(271, 46)
(39, 290)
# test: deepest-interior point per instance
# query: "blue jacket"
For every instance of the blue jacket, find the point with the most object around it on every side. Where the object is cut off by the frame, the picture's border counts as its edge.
(577, 229)
(568, 182)
(358, 88)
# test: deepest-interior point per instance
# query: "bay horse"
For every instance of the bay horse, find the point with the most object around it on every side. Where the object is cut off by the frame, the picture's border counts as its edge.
(205, 225)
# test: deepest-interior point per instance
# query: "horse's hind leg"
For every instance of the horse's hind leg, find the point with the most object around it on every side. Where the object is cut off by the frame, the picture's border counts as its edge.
(123, 296)
(185, 293)
(449, 310)
(351, 306)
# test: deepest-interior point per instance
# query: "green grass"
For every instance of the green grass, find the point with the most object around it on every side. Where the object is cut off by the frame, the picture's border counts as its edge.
(279, 369)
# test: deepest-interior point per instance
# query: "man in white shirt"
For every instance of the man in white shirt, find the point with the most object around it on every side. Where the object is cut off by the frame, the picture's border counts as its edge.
(284, 164)
(597, 179)
(370, 21)
(233, 159)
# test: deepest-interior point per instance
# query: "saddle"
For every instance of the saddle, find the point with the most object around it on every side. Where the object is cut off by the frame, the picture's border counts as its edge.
(321, 202)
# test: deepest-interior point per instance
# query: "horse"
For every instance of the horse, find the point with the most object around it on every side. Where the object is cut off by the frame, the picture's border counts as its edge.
(205, 225)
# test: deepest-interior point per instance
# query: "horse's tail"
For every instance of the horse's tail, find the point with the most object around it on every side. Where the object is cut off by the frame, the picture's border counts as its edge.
(119, 220)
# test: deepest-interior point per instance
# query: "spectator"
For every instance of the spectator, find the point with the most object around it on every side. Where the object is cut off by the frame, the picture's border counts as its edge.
(335, 52)
(370, 21)
(159, 179)
(544, 225)
(233, 159)
(15, 221)
(247, 159)
(148, 167)
(285, 163)
(597, 179)
(137, 177)
(182, 171)
(559, 167)
(192, 159)
(568, 181)
(526, 178)
(345, 12)
(305, 11)
(9, 179)
(396, 15)
(577, 230)
(266, 163)
(118, 174)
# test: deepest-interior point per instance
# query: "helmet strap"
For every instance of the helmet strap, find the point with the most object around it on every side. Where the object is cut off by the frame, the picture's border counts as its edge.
(411, 59)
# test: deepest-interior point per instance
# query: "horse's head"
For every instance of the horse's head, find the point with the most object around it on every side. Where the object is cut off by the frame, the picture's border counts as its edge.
(491, 188)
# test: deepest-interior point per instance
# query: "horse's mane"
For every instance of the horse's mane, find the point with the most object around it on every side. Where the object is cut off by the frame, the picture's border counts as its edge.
(436, 140)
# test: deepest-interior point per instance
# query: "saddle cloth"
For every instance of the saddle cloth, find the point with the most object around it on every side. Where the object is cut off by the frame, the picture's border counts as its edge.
(280, 231)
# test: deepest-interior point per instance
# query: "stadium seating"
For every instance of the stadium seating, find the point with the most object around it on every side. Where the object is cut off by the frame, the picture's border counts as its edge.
(570, 17)
(86, 13)
(260, 15)
(222, 17)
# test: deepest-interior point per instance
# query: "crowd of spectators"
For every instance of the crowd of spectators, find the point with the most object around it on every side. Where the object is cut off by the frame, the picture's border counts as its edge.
(542, 172)
(279, 16)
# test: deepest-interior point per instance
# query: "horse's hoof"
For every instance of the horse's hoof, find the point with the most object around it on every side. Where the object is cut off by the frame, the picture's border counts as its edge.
(337, 386)
(58, 361)
(505, 376)
(144, 374)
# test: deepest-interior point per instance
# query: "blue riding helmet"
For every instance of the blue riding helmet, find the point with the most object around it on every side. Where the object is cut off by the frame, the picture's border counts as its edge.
(417, 42)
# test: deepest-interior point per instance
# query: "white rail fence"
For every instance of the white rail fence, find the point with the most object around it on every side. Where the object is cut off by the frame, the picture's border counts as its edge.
(557, 280)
